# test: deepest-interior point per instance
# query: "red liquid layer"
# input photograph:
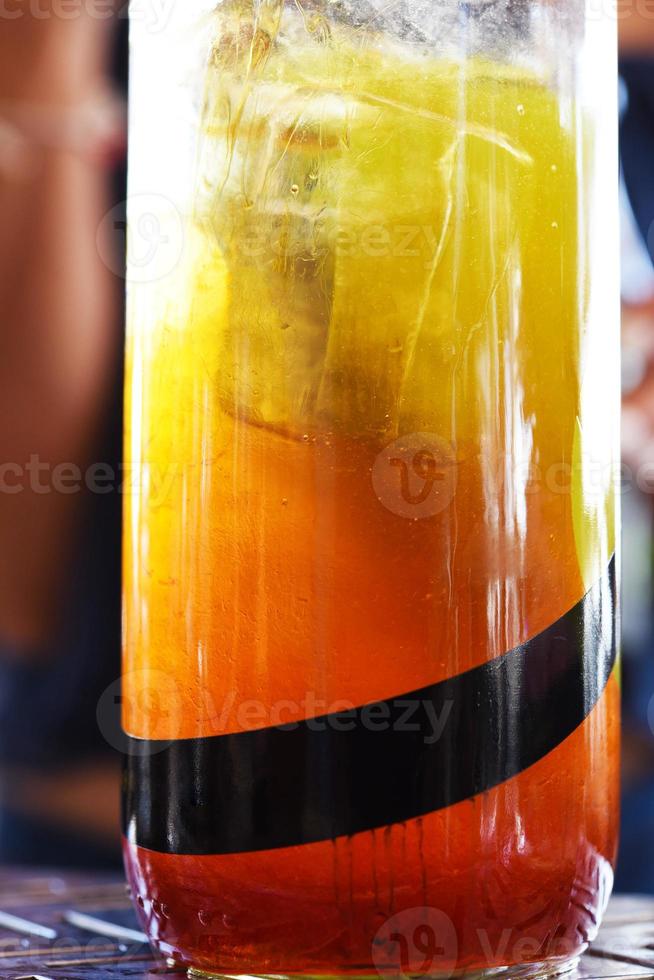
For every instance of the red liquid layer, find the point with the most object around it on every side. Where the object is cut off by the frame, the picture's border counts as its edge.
(514, 876)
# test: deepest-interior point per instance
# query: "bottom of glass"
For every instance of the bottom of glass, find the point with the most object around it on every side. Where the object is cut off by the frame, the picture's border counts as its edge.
(520, 971)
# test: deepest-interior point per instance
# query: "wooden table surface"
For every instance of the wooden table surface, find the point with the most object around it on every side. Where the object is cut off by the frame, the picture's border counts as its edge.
(73, 927)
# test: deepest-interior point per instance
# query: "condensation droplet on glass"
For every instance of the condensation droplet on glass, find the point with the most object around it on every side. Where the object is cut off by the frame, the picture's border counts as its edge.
(294, 189)
(204, 917)
(554, 168)
(520, 109)
(284, 501)
(555, 225)
(305, 437)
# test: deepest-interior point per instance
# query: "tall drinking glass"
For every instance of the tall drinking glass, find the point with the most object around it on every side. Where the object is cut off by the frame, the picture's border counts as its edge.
(370, 691)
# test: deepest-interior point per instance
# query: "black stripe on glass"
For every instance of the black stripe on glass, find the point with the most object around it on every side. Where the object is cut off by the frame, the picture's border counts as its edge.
(378, 764)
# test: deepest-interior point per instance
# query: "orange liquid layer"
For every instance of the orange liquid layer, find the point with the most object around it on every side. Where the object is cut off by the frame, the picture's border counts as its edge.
(298, 591)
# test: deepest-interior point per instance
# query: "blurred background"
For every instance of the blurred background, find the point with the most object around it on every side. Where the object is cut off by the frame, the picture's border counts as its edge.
(62, 236)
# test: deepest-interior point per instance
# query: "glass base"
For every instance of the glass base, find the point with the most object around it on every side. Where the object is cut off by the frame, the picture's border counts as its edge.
(544, 970)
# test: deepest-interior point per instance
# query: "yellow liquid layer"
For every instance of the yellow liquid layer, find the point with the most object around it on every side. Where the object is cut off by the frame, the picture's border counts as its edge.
(382, 249)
